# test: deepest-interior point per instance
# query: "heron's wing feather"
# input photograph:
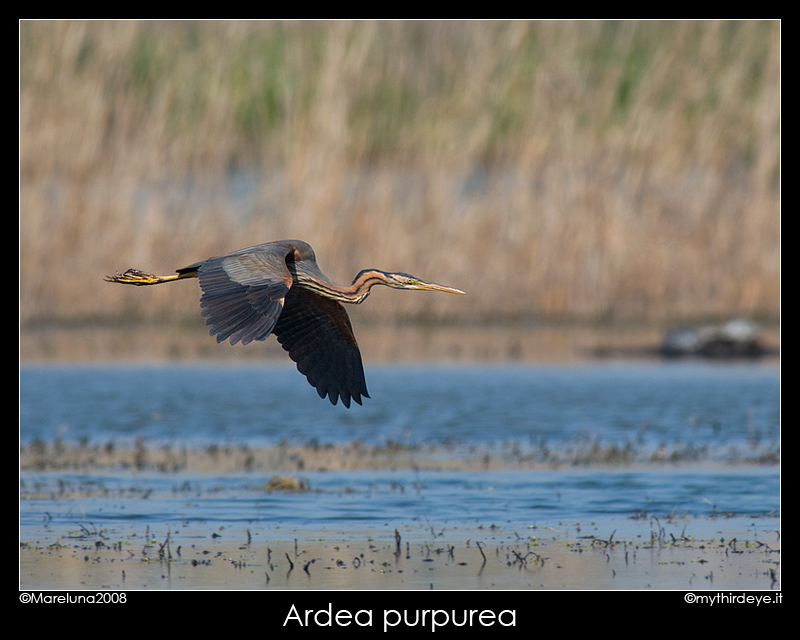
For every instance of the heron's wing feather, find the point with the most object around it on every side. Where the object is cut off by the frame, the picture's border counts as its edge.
(318, 335)
(243, 294)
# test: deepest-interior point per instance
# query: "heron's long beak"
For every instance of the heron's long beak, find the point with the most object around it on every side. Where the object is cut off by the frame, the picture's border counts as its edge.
(432, 286)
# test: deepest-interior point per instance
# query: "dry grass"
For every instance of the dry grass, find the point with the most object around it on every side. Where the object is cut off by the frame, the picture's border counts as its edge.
(583, 170)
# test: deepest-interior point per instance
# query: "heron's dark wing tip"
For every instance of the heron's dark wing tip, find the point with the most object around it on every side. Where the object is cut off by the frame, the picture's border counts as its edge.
(346, 397)
(319, 338)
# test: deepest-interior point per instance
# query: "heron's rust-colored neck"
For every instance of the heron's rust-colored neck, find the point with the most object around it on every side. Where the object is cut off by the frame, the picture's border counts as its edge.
(355, 293)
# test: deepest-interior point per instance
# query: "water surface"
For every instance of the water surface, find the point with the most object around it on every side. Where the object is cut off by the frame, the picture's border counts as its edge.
(728, 415)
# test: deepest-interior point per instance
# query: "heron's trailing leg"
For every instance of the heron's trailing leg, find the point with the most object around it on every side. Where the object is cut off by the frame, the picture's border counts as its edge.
(140, 278)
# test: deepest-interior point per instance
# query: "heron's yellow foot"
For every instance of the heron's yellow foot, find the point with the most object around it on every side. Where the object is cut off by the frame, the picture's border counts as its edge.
(136, 277)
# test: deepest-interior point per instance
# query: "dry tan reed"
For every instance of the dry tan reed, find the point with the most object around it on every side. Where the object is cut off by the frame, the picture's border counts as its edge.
(584, 170)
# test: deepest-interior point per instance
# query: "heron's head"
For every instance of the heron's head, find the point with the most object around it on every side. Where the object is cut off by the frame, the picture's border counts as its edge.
(406, 281)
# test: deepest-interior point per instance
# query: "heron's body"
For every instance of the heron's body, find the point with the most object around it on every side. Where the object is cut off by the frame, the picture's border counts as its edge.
(278, 288)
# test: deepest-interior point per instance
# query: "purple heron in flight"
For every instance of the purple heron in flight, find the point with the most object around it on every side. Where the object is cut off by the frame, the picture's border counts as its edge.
(278, 288)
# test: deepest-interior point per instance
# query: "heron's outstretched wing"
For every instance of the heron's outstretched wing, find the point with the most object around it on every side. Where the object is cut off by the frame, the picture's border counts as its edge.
(243, 292)
(318, 335)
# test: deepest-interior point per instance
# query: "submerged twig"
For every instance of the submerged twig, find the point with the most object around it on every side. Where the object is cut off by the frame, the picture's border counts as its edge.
(479, 544)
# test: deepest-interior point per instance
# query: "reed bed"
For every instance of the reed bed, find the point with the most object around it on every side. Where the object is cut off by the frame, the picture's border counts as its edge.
(590, 171)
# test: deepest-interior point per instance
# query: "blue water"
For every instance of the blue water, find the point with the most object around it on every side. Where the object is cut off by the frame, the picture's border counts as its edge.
(263, 405)
(728, 414)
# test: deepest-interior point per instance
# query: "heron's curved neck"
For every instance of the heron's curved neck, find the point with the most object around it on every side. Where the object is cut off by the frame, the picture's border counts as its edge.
(363, 282)
(354, 294)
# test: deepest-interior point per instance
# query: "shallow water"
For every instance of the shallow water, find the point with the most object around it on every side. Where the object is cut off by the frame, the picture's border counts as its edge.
(372, 498)
(263, 405)
(725, 413)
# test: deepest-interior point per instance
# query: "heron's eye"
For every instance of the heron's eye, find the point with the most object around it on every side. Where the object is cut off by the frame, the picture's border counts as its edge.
(410, 281)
